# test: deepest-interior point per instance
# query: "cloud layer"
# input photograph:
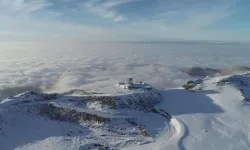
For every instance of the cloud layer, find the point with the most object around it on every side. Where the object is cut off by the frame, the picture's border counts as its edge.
(59, 67)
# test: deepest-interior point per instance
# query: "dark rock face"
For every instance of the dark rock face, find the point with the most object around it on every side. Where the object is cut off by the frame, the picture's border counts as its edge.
(31, 95)
(139, 101)
(190, 85)
(237, 80)
(10, 91)
(203, 72)
(96, 146)
(241, 82)
(114, 125)
(79, 92)
(77, 110)
(69, 115)
(140, 127)
(104, 100)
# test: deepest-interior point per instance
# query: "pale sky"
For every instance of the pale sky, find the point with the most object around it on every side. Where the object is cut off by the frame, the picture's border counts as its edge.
(124, 20)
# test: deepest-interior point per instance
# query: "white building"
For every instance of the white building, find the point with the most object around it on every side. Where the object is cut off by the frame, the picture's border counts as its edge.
(130, 85)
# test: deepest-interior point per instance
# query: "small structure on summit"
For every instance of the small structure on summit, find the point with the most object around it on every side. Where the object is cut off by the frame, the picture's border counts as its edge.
(127, 87)
(131, 85)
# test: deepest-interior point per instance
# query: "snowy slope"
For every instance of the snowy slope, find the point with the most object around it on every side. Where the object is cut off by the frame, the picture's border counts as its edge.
(54, 121)
(217, 117)
(214, 117)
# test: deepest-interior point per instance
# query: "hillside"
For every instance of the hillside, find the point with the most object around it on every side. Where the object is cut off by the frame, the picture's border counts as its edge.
(213, 114)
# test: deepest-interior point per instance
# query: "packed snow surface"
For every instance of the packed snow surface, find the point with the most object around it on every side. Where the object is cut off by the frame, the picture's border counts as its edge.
(214, 116)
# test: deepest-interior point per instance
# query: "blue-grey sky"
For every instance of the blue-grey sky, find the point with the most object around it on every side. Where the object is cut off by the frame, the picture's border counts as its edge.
(125, 20)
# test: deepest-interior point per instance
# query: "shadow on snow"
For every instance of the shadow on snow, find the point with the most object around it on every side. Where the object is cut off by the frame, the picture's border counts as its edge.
(180, 102)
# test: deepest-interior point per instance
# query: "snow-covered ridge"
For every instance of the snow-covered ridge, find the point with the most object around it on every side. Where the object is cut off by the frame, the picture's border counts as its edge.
(136, 100)
(211, 113)
(105, 116)
(241, 82)
(237, 80)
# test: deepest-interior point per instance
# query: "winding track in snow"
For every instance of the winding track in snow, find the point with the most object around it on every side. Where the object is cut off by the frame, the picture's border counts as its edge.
(171, 140)
(180, 132)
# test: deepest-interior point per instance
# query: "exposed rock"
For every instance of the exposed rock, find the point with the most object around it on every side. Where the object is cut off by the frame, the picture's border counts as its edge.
(140, 101)
(96, 146)
(69, 115)
(200, 72)
(35, 96)
(193, 85)
(235, 79)
(241, 82)
(203, 72)
(86, 111)
(79, 92)
(140, 127)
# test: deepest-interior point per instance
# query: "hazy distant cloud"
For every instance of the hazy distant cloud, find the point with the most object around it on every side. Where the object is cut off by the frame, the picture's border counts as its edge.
(203, 18)
(23, 6)
(190, 20)
(113, 3)
(106, 9)
(54, 13)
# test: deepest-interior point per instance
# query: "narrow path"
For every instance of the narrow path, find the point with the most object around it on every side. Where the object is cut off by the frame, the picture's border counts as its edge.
(170, 140)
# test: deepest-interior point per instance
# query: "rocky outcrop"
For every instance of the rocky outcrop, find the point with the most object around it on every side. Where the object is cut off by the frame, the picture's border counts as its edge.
(144, 100)
(140, 100)
(238, 80)
(54, 112)
(200, 72)
(203, 71)
(69, 115)
(114, 120)
(193, 85)
(241, 82)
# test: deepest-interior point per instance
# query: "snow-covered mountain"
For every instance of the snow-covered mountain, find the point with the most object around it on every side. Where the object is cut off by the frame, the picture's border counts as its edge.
(213, 114)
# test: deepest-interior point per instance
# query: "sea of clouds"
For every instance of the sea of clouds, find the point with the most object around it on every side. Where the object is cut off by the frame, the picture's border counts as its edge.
(62, 66)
